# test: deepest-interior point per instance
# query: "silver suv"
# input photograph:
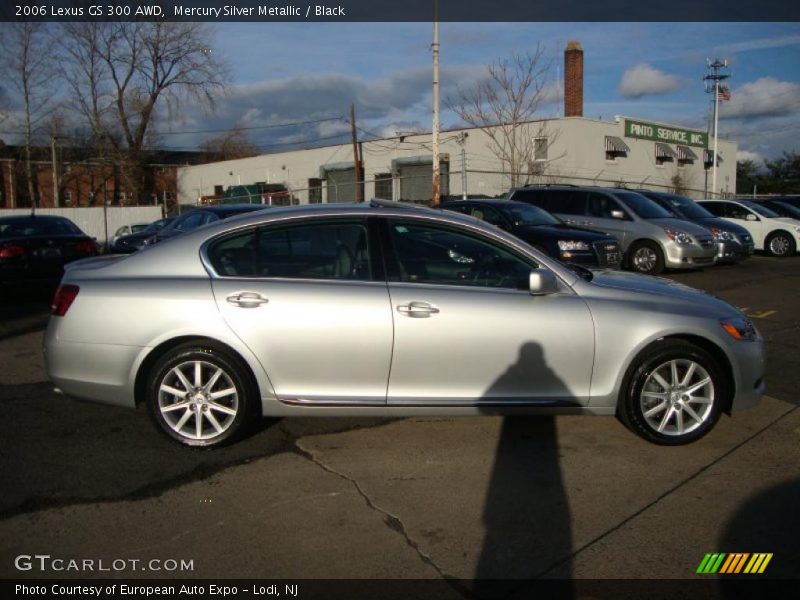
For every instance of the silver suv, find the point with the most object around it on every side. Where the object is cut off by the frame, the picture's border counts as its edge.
(651, 238)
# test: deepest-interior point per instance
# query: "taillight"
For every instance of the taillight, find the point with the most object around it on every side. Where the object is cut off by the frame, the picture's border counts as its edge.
(12, 251)
(86, 247)
(64, 297)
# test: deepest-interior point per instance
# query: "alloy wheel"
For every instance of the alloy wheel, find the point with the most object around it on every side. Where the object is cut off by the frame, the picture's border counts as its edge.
(198, 400)
(779, 245)
(644, 259)
(677, 397)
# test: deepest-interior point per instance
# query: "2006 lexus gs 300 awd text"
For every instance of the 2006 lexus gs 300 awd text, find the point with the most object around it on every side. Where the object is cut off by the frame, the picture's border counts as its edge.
(383, 309)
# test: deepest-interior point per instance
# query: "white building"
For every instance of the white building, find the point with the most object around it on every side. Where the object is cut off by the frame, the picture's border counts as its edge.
(573, 150)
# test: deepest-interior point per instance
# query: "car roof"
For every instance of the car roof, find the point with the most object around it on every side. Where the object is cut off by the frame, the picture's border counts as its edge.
(490, 201)
(28, 217)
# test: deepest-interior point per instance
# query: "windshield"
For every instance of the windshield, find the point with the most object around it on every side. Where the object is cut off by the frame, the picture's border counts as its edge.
(526, 214)
(762, 210)
(642, 206)
(686, 207)
(580, 271)
(787, 209)
(158, 225)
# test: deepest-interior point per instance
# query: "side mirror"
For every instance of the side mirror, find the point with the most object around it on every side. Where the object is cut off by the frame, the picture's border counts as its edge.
(542, 282)
(751, 217)
(618, 214)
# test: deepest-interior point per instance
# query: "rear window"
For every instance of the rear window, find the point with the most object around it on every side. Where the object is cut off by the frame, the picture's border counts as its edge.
(37, 226)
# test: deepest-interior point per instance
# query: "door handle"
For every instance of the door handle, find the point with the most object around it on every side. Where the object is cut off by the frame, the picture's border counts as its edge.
(418, 310)
(247, 299)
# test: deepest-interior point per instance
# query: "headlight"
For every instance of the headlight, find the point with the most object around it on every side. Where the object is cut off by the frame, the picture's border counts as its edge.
(722, 236)
(739, 328)
(797, 229)
(570, 245)
(679, 236)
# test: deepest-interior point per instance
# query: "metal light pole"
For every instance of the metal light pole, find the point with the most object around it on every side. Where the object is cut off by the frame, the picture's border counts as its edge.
(436, 126)
(715, 76)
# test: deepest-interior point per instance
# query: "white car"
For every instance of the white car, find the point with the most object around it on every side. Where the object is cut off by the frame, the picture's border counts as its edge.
(127, 230)
(779, 236)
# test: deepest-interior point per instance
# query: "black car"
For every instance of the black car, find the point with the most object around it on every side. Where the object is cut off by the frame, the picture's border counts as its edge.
(35, 248)
(128, 244)
(735, 242)
(201, 216)
(544, 231)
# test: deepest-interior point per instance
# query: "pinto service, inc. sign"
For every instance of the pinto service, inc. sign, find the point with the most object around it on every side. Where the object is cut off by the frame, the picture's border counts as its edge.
(663, 133)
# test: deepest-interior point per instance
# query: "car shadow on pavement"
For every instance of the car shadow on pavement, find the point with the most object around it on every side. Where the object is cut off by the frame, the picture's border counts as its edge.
(768, 523)
(526, 511)
(58, 451)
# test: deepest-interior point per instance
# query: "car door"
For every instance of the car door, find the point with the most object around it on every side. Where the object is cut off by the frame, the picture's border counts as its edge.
(468, 332)
(311, 303)
(599, 209)
(738, 214)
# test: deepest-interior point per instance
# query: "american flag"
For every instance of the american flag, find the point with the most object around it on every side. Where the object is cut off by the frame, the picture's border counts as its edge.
(724, 94)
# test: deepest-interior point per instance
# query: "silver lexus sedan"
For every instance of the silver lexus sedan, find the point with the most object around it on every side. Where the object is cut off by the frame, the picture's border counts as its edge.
(386, 309)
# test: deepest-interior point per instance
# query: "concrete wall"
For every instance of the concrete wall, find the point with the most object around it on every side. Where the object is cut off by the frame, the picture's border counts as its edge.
(96, 221)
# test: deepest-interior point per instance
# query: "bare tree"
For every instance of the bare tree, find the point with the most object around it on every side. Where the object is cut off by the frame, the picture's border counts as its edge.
(123, 75)
(504, 106)
(29, 69)
(228, 146)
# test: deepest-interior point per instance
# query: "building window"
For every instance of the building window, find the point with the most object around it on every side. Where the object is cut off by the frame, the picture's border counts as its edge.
(68, 197)
(708, 159)
(540, 148)
(664, 154)
(218, 190)
(686, 156)
(315, 190)
(615, 148)
(383, 186)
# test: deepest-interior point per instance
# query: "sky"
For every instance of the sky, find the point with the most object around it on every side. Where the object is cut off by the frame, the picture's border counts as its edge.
(298, 72)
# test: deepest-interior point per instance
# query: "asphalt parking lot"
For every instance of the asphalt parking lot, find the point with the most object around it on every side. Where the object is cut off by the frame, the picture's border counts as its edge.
(485, 497)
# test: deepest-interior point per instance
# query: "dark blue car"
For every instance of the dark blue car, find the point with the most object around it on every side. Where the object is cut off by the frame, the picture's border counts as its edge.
(544, 231)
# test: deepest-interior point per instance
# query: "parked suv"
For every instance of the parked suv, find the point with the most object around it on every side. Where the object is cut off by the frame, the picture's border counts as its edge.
(651, 238)
(777, 235)
(544, 231)
(734, 241)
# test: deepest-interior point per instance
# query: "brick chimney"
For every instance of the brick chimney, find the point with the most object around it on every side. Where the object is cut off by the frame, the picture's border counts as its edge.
(573, 80)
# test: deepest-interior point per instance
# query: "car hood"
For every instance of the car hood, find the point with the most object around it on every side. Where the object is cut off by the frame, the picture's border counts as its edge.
(789, 222)
(722, 224)
(633, 286)
(681, 225)
(560, 232)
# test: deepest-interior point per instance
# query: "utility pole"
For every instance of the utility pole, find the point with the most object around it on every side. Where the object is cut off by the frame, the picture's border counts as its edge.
(462, 141)
(55, 171)
(713, 79)
(356, 159)
(435, 128)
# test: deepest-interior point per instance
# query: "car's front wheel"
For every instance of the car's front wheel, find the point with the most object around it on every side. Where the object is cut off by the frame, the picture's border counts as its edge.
(780, 244)
(199, 395)
(674, 393)
(646, 257)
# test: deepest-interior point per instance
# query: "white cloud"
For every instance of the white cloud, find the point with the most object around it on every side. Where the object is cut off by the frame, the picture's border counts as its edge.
(748, 155)
(644, 80)
(765, 97)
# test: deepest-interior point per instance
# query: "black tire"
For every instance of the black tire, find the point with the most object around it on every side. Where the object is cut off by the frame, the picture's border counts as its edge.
(645, 257)
(223, 419)
(780, 244)
(638, 403)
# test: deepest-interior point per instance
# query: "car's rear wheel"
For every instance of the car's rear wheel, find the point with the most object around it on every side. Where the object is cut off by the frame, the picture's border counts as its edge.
(199, 395)
(674, 393)
(646, 257)
(780, 244)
